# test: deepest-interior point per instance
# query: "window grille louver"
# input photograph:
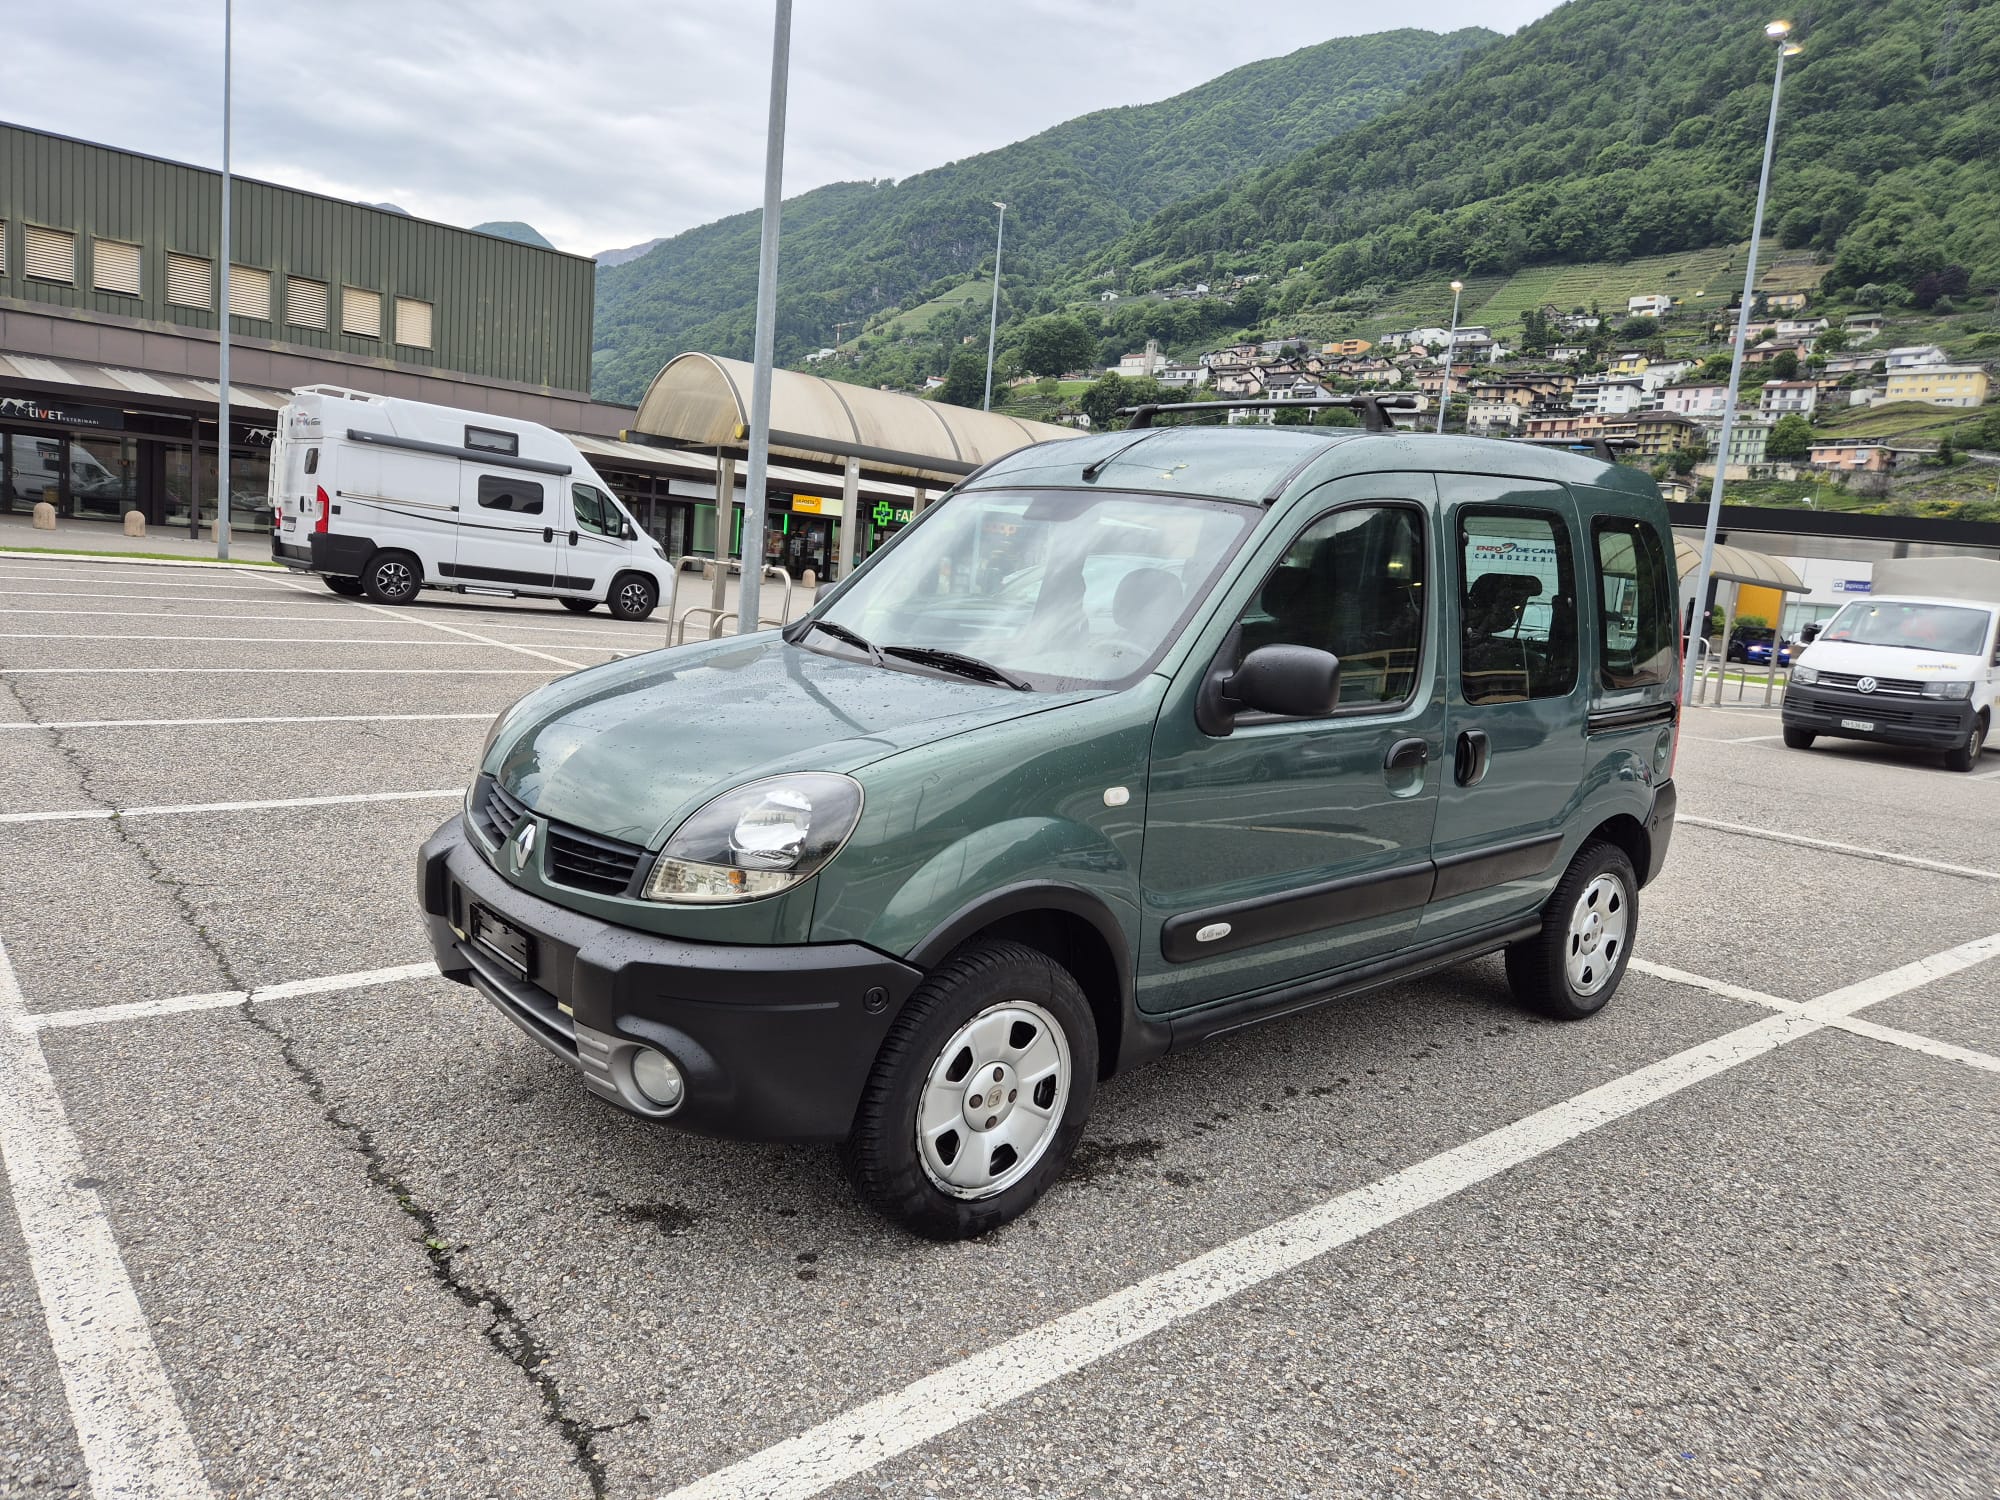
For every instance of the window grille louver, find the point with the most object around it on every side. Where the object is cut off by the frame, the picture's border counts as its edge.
(249, 292)
(51, 254)
(115, 267)
(360, 312)
(305, 302)
(188, 281)
(413, 323)
(3, 247)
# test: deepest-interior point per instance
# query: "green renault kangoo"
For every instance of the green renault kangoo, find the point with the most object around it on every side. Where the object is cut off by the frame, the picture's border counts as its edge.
(1127, 741)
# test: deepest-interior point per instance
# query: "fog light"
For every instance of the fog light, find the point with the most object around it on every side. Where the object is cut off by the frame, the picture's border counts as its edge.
(656, 1077)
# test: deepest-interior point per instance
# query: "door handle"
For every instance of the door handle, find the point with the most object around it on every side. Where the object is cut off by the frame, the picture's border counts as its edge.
(1406, 755)
(1474, 754)
(548, 533)
(572, 538)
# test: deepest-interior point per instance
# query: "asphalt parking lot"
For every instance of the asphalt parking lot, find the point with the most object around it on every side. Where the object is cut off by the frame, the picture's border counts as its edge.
(294, 1217)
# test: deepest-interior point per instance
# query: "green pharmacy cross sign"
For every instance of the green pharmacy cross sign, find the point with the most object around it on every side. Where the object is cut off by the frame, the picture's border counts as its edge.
(886, 514)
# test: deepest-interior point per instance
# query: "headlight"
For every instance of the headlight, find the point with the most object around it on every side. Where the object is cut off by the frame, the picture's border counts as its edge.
(1948, 689)
(1804, 675)
(757, 840)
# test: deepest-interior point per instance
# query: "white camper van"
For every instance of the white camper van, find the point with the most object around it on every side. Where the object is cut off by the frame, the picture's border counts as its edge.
(385, 497)
(1917, 662)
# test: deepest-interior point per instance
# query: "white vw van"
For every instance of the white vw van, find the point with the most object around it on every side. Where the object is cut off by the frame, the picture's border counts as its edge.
(385, 497)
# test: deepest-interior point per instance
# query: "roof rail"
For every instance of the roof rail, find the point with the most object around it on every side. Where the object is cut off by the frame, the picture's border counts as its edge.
(1605, 448)
(1374, 407)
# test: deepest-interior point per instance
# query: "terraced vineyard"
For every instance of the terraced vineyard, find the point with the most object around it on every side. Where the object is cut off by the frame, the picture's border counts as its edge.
(1716, 272)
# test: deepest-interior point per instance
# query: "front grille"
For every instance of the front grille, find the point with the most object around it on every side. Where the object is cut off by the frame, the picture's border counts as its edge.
(1901, 687)
(586, 861)
(496, 811)
(591, 862)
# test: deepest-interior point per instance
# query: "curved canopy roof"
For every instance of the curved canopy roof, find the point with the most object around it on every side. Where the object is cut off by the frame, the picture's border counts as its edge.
(704, 402)
(1739, 565)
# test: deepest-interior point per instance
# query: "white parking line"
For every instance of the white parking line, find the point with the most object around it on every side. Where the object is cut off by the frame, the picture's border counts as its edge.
(1886, 856)
(134, 1441)
(146, 1010)
(260, 719)
(528, 622)
(88, 560)
(1917, 1043)
(452, 630)
(263, 587)
(245, 640)
(858, 1440)
(98, 814)
(264, 596)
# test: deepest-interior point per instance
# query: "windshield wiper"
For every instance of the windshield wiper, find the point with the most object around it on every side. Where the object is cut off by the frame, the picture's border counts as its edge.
(853, 638)
(960, 663)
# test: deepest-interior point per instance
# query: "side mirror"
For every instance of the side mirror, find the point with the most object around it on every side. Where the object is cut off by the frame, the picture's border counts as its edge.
(1810, 633)
(1294, 682)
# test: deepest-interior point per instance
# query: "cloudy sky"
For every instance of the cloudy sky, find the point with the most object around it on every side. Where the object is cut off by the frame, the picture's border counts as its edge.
(606, 122)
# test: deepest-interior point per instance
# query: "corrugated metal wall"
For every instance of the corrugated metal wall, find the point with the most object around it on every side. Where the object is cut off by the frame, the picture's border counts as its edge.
(501, 310)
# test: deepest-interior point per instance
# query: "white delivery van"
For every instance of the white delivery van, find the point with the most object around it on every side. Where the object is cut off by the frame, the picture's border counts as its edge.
(385, 497)
(1917, 662)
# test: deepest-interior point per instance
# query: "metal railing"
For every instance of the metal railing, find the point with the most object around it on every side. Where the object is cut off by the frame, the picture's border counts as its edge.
(714, 617)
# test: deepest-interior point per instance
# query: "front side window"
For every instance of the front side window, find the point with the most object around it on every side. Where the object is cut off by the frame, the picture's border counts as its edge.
(1636, 596)
(1517, 607)
(1353, 584)
(595, 511)
(522, 496)
(1914, 627)
(1060, 589)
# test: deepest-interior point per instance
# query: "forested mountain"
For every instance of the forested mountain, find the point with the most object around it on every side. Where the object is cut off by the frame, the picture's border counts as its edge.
(1614, 128)
(852, 249)
(514, 229)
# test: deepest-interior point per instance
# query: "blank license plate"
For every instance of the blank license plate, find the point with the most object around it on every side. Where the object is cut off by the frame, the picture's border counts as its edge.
(503, 940)
(1866, 726)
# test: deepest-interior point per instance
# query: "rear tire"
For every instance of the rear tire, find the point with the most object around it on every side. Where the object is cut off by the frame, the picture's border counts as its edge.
(633, 596)
(1799, 739)
(347, 588)
(392, 577)
(1572, 967)
(1966, 756)
(579, 606)
(997, 1027)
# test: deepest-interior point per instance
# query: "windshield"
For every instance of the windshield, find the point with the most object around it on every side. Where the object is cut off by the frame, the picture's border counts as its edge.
(1919, 627)
(1060, 590)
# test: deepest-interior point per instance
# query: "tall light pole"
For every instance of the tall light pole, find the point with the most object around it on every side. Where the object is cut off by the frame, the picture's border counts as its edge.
(1450, 348)
(1779, 32)
(750, 593)
(993, 327)
(222, 318)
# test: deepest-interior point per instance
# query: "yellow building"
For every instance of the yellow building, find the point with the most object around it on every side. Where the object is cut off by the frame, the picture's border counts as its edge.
(1939, 385)
(1630, 363)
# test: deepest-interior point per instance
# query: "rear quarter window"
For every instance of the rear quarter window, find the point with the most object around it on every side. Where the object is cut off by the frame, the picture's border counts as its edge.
(1636, 606)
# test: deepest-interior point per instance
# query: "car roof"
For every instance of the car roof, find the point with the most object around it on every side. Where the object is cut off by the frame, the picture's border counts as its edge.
(1258, 465)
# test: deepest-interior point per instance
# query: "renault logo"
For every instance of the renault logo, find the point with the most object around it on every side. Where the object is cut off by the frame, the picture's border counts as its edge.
(521, 847)
(1865, 685)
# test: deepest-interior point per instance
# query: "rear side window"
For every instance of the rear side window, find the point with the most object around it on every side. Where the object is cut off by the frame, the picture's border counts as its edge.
(522, 495)
(1517, 606)
(1635, 642)
(1353, 584)
(490, 440)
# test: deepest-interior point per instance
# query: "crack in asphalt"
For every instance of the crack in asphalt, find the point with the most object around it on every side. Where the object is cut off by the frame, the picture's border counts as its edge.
(506, 1330)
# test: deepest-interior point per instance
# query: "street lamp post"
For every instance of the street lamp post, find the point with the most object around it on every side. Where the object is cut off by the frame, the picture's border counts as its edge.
(750, 592)
(993, 327)
(222, 318)
(1450, 348)
(1779, 32)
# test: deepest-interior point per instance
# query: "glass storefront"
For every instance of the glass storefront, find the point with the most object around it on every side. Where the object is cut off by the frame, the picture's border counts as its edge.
(103, 477)
(249, 481)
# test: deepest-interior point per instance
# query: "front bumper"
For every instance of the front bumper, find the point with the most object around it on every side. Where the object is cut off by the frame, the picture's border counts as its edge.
(775, 1042)
(1934, 723)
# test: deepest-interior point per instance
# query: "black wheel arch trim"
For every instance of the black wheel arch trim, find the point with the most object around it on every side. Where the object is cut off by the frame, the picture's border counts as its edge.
(1028, 896)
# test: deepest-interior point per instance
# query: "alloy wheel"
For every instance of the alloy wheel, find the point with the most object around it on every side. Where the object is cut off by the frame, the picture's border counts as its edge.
(993, 1101)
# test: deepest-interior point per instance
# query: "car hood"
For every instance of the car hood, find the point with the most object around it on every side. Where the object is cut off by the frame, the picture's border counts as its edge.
(629, 750)
(1889, 661)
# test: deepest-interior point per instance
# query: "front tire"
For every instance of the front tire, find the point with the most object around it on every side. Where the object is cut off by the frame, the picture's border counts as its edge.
(633, 596)
(1572, 967)
(1799, 739)
(392, 577)
(978, 1095)
(347, 588)
(1966, 756)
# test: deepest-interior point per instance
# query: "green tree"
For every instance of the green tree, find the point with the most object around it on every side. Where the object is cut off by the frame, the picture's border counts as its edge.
(1791, 439)
(1683, 460)
(1055, 345)
(965, 381)
(1102, 398)
(1785, 366)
